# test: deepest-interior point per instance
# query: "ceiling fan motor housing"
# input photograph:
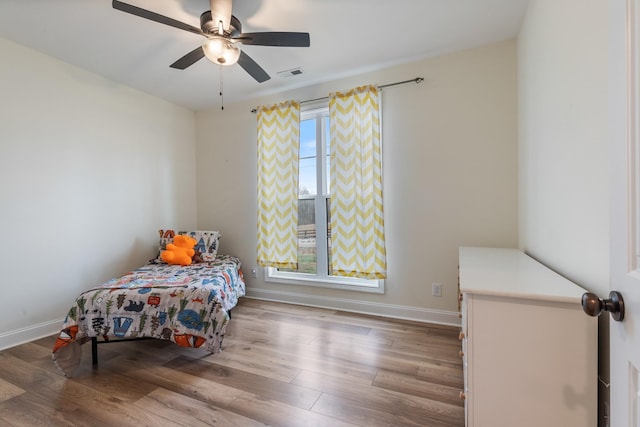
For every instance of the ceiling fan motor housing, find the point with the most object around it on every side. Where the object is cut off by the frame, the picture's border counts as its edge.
(209, 27)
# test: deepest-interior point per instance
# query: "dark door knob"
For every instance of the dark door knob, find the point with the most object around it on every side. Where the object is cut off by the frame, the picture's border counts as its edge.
(594, 306)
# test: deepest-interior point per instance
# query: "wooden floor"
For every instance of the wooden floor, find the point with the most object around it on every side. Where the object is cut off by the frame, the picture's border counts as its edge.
(282, 365)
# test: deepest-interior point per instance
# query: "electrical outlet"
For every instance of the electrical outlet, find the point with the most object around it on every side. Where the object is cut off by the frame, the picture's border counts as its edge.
(254, 273)
(436, 289)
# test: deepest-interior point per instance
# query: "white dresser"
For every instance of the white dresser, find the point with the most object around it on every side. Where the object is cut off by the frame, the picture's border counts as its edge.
(529, 352)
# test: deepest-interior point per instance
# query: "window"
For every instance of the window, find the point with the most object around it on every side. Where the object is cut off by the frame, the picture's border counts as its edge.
(314, 223)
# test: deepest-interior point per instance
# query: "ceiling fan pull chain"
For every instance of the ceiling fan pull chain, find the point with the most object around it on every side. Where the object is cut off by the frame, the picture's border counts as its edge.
(221, 94)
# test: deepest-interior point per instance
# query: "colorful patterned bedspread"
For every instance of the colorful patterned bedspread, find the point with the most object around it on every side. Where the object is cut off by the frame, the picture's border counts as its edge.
(187, 305)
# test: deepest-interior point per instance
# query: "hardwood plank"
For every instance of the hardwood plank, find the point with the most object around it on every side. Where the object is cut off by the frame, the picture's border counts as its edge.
(193, 386)
(46, 342)
(294, 328)
(385, 400)
(275, 307)
(261, 333)
(30, 352)
(301, 397)
(276, 367)
(276, 413)
(8, 390)
(185, 411)
(120, 387)
(363, 414)
(26, 376)
(410, 385)
(33, 410)
(297, 357)
(441, 374)
(322, 325)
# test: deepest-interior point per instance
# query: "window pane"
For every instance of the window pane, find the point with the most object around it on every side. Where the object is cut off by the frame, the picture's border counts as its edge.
(308, 138)
(328, 171)
(327, 132)
(307, 174)
(327, 152)
(306, 237)
(307, 183)
(328, 207)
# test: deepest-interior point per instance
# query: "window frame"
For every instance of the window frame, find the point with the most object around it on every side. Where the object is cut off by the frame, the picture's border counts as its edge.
(320, 112)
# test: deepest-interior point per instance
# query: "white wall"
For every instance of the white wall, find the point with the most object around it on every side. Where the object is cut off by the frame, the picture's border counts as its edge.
(564, 174)
(90, 170)
(564, 154)
(450, 178)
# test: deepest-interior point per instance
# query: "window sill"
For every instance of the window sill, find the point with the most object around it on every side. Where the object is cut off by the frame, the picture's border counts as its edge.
(342, 283)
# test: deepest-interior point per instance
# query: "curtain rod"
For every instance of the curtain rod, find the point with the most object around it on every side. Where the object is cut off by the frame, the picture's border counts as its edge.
(416, 81)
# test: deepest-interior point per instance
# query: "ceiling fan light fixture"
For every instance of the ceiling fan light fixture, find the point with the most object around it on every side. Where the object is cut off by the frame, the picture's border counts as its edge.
(221, 51)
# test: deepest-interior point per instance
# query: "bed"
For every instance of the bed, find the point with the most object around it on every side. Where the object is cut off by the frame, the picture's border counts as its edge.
(189, 305)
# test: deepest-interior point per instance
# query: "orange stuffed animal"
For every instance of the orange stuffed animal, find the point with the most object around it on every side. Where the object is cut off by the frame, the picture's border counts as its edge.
(180, 251)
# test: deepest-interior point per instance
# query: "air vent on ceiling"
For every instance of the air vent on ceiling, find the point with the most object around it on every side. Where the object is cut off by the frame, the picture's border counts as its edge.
(290, 73)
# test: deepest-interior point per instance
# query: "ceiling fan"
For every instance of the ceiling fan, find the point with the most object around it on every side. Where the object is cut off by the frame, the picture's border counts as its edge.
(223, 33)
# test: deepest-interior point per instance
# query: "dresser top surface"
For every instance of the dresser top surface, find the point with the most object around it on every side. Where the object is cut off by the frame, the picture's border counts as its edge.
(511, 273)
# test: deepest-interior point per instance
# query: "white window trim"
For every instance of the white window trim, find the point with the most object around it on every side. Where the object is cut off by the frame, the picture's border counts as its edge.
(272, 274)
(333, 282)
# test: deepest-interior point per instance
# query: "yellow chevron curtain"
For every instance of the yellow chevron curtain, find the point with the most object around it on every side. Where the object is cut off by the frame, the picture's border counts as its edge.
(357, 224)
(278, 151)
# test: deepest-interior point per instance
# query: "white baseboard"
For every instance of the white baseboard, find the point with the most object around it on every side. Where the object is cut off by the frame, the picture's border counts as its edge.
(29, 333)
(363, 307)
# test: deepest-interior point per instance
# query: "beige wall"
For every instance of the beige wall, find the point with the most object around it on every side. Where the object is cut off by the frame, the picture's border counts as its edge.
(90, 170)
(563, 165)
(450, 178)
(87, 160)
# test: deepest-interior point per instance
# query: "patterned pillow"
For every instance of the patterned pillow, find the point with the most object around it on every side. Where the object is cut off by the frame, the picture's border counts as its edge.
(206, 244)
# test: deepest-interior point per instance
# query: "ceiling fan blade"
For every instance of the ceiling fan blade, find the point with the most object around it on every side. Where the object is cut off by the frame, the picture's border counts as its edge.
(274, 38)
(252, 67)
(147, 14)
(221, 11)
(189, 59)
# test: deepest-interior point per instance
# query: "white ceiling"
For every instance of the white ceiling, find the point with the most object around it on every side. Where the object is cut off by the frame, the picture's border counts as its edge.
(348, 37)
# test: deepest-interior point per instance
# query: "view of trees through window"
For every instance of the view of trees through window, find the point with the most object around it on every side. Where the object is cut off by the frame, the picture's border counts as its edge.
(313, 202)
(307, 236)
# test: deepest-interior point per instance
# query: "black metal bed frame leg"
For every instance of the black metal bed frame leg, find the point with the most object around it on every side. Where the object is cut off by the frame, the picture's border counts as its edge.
(94, 351)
